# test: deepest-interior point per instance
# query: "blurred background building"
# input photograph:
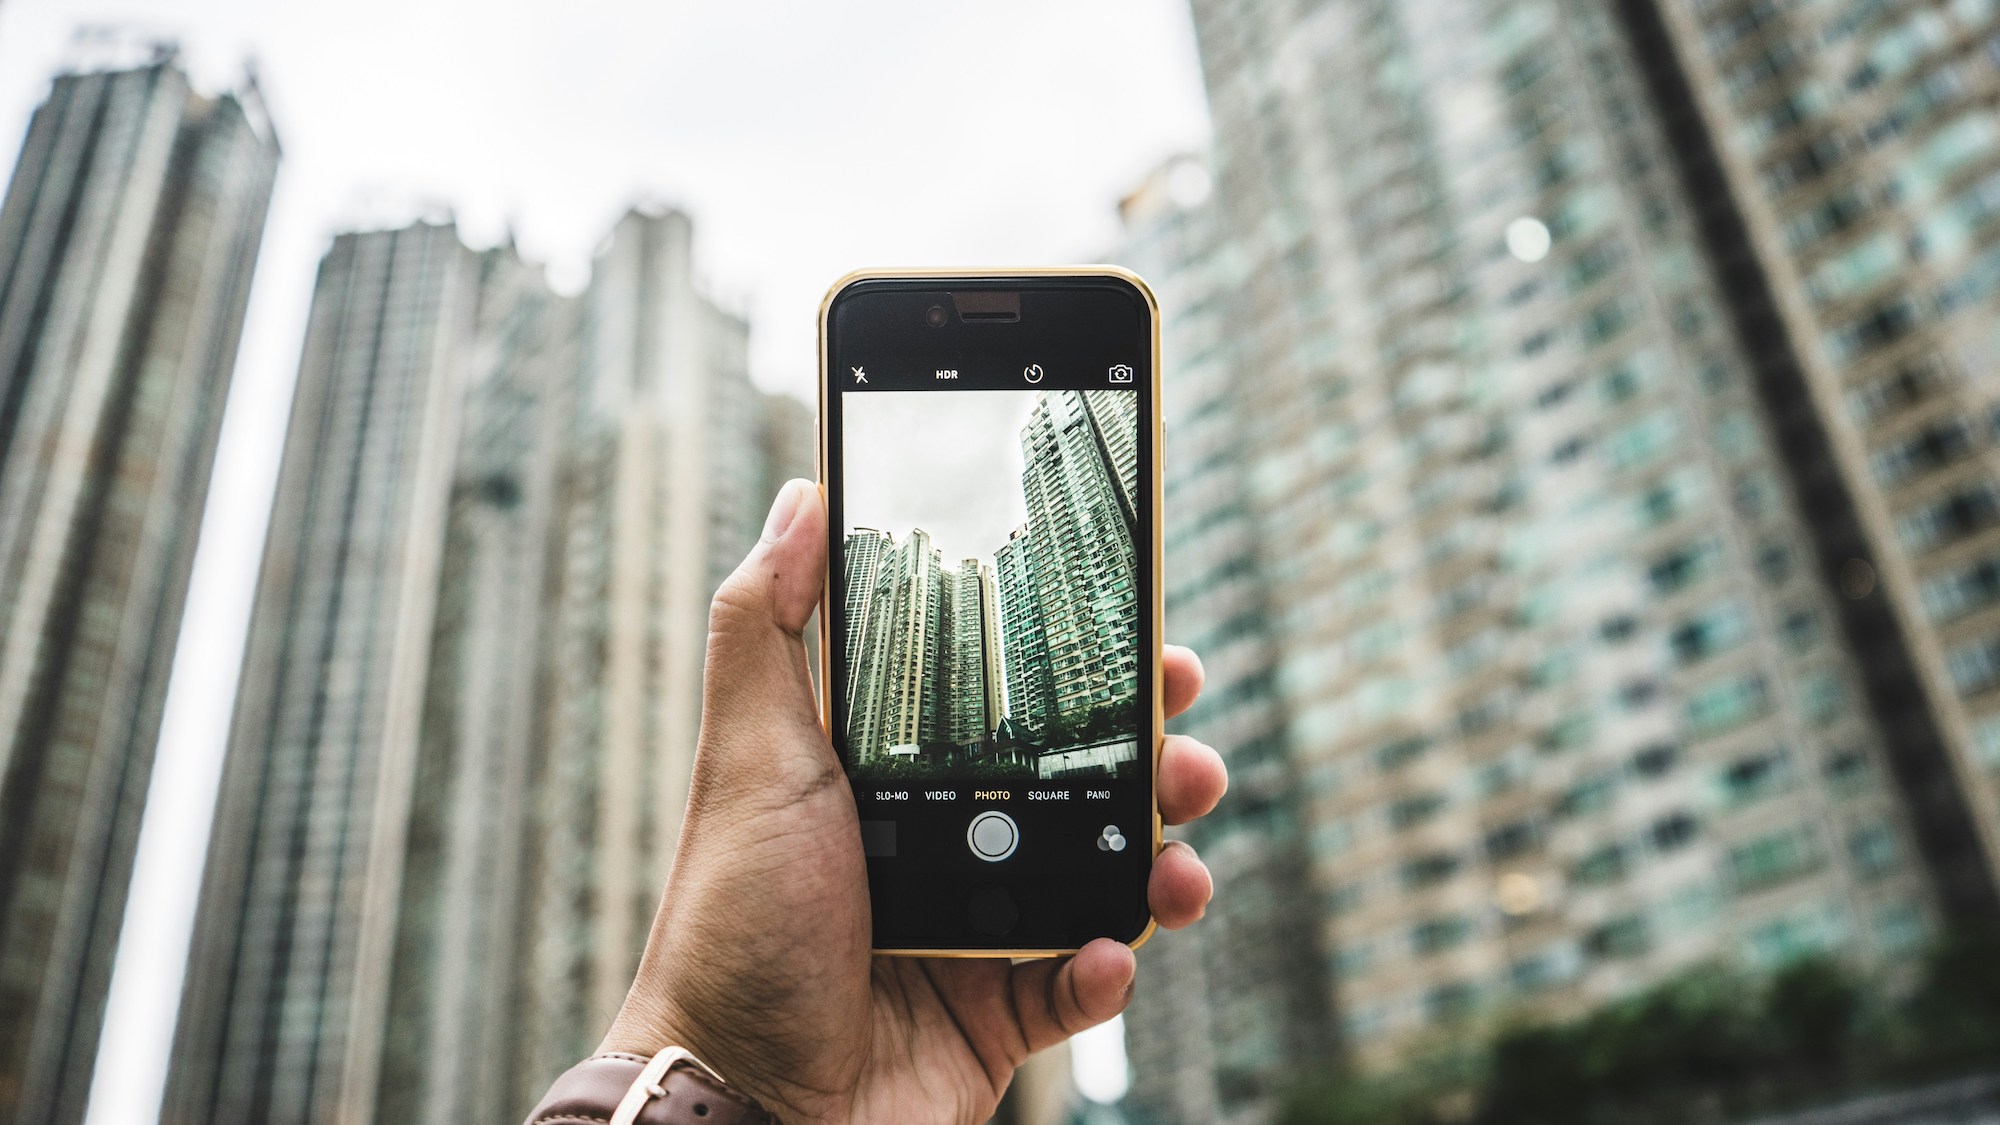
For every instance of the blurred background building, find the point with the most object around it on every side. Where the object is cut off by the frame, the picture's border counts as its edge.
(127, 239)
(1576, 489)
(469, 707)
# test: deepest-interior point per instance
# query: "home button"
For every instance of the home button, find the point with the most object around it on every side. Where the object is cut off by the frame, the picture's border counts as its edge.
(991, 911)
(992, 836)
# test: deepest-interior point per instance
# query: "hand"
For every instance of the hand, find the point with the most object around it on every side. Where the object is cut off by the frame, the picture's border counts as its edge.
(758, 960)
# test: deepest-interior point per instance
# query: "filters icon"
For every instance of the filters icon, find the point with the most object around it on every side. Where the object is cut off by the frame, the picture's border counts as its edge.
(1110, 840)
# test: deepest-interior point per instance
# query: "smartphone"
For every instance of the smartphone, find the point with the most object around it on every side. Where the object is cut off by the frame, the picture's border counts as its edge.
(989, 443)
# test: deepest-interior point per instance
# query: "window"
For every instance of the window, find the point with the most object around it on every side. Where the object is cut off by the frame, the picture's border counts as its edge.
(1513, 839)
(1874, 850)
(1877, 328)
(1402, 752)
(1824, 697)
(1801, 628)
(1627, 936)
(1772, 859)
(1756, 776)
(1975, 667)
(1912, 382)
(1414, 810)
(1438, 934)
(1642, 441)
(1605, 865)
(1448, 1003)
(1700, 637)
(1655, 760)
(1723, 705)
(1678, 569)
(1587, 796)
(1931, 448)
(1784, 940)
(1429, 870)
(1962, 513)
(1774, 563)
(1969, 589)
(1848, 771)
(1673, 831)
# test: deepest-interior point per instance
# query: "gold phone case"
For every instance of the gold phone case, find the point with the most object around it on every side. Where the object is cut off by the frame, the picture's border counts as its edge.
(1153, 500)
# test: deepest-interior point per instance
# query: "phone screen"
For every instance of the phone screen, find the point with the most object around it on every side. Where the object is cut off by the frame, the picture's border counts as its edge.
(990, 658)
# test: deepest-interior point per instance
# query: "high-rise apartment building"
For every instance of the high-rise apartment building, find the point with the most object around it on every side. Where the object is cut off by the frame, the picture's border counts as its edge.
(1030, 695)
(862, 555)
(1567, 633)
(1228, 1010)
(897, 700)
(923, 641)
(469, 706)
(127, 241)
(462, 1031)
(1852, 162)
(973, 686)
(663, 493)
(287, 991)
(1079, 478)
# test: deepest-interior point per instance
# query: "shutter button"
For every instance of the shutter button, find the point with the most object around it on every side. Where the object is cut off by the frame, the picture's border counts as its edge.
(992, 836)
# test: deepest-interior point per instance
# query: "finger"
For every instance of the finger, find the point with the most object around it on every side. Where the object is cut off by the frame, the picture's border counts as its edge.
(1055, 999)
(1181, 886)
(757, 700)
(1192, 779)
(1182, 671)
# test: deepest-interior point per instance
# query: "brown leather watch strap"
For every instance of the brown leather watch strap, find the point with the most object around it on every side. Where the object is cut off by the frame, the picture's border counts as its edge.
(689, 1094)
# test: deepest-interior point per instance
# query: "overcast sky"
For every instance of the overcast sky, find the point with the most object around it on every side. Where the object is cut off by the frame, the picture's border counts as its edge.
(948, 462)
(806, 139)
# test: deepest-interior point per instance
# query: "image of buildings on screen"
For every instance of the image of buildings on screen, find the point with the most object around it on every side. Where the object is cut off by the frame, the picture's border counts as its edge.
(1022, 664)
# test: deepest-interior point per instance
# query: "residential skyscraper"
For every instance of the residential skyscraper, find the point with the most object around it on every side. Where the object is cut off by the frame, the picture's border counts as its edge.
(287, 990)
(127, 241)
(1853, 162)
(1229, 1010)
(972, 648)
(462, 1032)
(902, 662)
(663, 494)
(1030, 696)
(458, 704)
(1561, 638)
(862, 554)
(1080, 460)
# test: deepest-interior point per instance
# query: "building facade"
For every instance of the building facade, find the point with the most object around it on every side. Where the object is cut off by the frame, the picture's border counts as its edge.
(460, 1029)
(1079, 478)
(1858, 161)
(473, 680)
(1582, 645)
(899, 702)
(127, 241)
(287, 988)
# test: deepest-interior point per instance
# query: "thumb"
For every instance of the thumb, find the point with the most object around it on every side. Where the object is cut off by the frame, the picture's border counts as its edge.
(757, 699)
(779, 581)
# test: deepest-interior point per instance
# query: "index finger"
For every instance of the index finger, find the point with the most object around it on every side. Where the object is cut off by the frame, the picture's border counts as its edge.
(1182, 670)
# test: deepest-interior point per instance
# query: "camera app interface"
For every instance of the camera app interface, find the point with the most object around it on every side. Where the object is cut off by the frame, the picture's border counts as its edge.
(991, 588)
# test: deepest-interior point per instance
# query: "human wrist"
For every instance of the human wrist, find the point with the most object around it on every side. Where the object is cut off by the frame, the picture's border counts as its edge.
(669, 1087)
(645, 1026)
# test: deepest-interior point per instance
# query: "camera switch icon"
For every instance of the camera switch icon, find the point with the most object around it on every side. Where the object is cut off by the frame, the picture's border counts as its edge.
(1121, 372)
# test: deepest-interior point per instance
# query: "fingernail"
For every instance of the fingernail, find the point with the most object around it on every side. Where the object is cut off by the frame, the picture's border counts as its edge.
(783, 509)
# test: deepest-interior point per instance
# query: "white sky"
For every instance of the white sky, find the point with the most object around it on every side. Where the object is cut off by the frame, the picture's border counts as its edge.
(806, 139)
(948, 462)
